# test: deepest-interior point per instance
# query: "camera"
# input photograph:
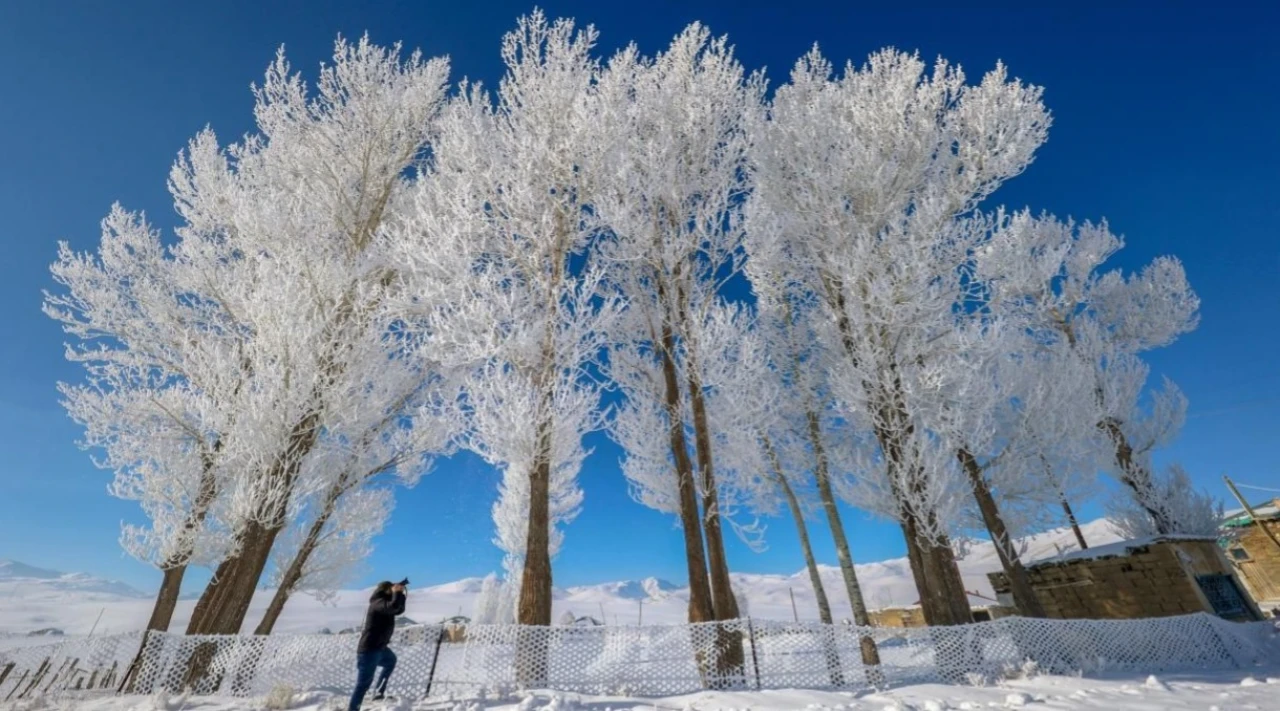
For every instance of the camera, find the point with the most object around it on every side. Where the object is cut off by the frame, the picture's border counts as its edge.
(404, 583)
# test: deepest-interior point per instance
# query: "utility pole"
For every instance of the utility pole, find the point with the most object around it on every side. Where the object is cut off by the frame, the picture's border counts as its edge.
(1249, 510)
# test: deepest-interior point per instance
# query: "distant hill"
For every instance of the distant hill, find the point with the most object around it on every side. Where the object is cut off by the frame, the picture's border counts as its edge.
(33, 598)
(22, 580)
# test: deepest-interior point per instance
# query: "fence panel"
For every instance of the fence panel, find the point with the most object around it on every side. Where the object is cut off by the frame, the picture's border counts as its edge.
(493, 660)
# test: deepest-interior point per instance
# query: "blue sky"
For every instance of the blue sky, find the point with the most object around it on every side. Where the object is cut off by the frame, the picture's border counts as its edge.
(1165, 123)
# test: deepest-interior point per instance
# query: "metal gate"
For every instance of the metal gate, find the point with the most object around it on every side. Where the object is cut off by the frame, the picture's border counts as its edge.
(1225, 597)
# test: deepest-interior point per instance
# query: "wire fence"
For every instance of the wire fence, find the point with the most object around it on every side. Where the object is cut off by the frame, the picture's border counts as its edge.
(494, 660)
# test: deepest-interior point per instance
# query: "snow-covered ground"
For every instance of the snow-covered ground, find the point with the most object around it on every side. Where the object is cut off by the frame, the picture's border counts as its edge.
(1218, 691)
(33, 598)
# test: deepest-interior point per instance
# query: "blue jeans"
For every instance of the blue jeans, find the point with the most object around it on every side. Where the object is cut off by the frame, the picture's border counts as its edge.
(366, 662)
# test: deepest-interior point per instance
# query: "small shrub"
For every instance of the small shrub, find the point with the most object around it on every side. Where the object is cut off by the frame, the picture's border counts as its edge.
(280, 698)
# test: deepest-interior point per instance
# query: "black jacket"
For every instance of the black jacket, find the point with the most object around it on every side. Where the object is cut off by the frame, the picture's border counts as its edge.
(380, 621)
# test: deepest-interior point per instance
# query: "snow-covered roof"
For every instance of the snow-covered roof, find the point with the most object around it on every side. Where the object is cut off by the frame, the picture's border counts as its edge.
(976, 601)
(1118, 549)
(1240, 517)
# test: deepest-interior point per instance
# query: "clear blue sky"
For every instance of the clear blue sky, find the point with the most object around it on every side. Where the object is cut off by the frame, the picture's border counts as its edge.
(1165, 123)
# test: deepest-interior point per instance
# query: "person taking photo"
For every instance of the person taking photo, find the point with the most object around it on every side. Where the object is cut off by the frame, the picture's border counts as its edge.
(373, 651)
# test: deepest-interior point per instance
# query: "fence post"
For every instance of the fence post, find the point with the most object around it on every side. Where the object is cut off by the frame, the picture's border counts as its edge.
(431, 675)
(133, 666)
(755, 662)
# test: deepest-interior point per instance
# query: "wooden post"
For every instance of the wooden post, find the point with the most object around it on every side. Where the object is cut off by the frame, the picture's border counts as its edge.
(603, 619)
(1249, 509)
(431, 674)
(4, 673)
(109, 679)
(640, 617)
(133, 666)
(755, 662)
(794, 613)
(17, 684)
(39, 677)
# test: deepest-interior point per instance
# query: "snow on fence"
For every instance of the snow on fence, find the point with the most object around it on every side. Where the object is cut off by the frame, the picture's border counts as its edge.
(438, 661)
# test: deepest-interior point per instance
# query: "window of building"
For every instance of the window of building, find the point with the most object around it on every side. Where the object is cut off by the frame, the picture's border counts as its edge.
(1238, 553)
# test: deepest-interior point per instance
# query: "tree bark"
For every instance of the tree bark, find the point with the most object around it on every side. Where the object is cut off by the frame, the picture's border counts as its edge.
(730, 656)
(724, 604)
(209, 599)
(700, 609)
(167, 598)
(233, 606)
(1075, 525)
(1024, 595)
(535, 582)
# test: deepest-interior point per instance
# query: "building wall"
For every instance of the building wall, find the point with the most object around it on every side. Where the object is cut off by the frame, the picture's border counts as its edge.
(1150, 581)
(1260, 572)
(914, 616)
(897, 617)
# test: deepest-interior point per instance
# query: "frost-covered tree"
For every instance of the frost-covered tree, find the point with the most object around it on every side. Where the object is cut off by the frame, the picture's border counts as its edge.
(869, 182)
(789, 318)
(496, 603)
(1052, 271)
(668, 191)
(276, 255)
(349, 504)
(501, 219)
(157, 401)
(1171, 493)
(991, 395)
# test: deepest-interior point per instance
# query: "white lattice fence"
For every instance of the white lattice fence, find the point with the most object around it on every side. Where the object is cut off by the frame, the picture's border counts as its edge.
(92, 663)
(644, 661)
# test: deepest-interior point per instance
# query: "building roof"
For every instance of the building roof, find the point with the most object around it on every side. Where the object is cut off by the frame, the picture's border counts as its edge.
(1118, 549)
(1239, 517)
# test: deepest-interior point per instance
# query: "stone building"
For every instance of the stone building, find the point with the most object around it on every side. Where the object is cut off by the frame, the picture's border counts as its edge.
(984, 610)
(1254, 555)
(1153, 577)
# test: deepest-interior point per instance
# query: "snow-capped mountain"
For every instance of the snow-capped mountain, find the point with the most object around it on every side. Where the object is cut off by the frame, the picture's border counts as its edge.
(647, 589)
(22, 580)
(32, 598)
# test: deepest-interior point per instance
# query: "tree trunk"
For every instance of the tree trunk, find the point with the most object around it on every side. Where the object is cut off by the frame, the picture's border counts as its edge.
(730, 655)
(175, 568)
(700, 609)
(535, 582)
(209, 599)
(1024, 595)
(870, 653)
(229, 605)
(1134, 475)
(793, 504)
(1075, 525)
(293, 573)
(831, 651)
(233, 606)
(167, 598)
(723, 603)
(943, 599)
